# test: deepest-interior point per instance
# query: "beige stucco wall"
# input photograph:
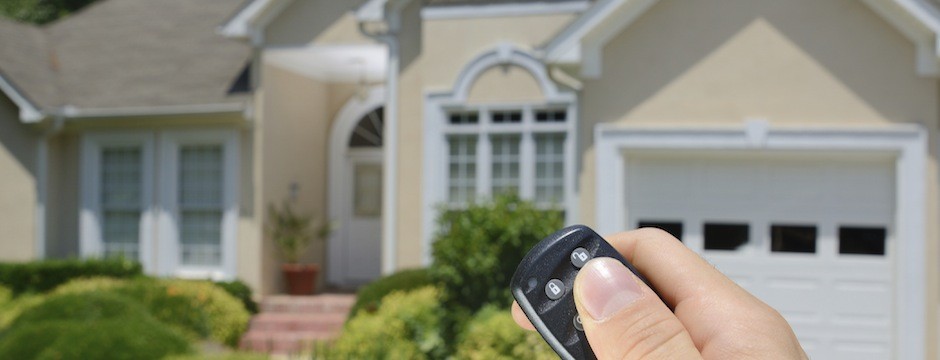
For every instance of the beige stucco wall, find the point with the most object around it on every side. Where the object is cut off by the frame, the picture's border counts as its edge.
(292, 134)
(18, 147)
(793, 63)
(446, 48)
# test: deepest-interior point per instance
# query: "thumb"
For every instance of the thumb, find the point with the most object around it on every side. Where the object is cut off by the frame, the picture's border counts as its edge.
(624, 319)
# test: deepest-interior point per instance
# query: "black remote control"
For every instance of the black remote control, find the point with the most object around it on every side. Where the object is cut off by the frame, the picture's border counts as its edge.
(543, 286)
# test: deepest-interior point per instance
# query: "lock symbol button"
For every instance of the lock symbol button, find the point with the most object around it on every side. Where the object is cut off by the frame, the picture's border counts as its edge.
(579, 257)
(555, 289)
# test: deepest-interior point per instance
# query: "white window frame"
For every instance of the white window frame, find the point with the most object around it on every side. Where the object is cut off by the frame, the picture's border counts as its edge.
(90, 215)
(907, 143)
(170, 144)
(438, 106)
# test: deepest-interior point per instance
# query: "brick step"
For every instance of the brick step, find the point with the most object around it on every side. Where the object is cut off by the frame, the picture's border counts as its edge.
(328, 303)
(281, 342)
(297, 322)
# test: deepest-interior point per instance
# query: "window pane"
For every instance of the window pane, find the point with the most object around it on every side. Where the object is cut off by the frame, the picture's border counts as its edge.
(549, 168)
(551, 116)
(121, 230)
(789, 238)
(461, 118)
(722, 236)
(505, 163)
(121, 201)
(201, 176)
(505, 117)
(200, 237)
(201, 205)
(462, 168)
(862, 240)
(120, 177)
(369, 130)
(674, 228)
(368, 190)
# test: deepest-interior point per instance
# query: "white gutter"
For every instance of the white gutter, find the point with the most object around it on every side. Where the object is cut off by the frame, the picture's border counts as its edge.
(29, 113)
(71, 112)
(392, 16)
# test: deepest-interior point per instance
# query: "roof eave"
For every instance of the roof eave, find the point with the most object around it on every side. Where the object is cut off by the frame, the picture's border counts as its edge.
(29, 112)
(74, 113)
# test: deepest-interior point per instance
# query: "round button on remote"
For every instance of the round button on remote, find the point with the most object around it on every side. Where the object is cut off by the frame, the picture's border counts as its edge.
(579, 257)
(577, 323)
(555, 289)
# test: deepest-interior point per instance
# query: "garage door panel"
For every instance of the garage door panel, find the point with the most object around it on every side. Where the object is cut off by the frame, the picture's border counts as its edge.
(841, 305)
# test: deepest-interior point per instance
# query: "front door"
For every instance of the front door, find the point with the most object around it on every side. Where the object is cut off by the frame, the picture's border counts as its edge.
(363, 245)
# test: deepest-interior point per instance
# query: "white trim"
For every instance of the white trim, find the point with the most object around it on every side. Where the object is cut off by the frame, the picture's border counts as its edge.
(249, 22)
(90, 232)
(29, 113)
(582, 42)
(908, 143)
(343, 125)
(42, 167)
(445, 12)
(435, 117)
(72, 112)
(168, 230)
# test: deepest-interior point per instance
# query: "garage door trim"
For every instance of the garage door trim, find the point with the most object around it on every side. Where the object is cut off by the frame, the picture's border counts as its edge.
(907, 142)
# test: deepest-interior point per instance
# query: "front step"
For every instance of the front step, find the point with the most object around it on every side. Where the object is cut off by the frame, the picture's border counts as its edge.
(293, 324)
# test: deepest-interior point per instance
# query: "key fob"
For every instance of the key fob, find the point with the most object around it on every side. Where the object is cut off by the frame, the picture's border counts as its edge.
(543, 286)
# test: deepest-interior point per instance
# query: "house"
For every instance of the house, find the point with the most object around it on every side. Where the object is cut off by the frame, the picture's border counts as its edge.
(792, 143)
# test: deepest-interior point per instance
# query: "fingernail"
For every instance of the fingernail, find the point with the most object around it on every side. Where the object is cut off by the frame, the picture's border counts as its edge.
(606, 287)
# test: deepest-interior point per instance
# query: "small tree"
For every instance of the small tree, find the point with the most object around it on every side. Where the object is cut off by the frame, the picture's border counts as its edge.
(293, 232)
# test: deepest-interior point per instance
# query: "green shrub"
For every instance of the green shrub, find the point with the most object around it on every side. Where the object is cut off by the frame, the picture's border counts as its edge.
(405, 326)
(371, 295)
(16, 306)
(85, 307)
(129, 338)
(89, 326)
(477, 250)
(198, 309)
(223, 356)
(42, 276)
(6, 296)
(493, 334)
(240, 291)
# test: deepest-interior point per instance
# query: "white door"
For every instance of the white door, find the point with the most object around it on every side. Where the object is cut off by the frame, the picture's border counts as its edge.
(363, 245)
(809, 234)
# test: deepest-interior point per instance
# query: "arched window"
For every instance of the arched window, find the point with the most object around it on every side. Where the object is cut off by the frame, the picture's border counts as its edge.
(368, 132)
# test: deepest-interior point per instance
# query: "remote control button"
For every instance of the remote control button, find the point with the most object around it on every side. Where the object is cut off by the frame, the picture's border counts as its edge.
(555, 289)
(579, 257)
(577, 323)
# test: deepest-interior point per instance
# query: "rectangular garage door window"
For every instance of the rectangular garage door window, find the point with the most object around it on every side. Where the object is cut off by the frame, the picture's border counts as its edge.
(674, 228)
(121, 169)
(725, 236)
(793, 238)
(862, 240)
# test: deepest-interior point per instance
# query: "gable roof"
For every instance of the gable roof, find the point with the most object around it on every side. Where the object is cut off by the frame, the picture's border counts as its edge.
(580, 44)
(123, 55)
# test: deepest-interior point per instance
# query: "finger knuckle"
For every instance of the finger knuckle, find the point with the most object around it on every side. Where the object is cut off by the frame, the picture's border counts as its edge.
(649, 333)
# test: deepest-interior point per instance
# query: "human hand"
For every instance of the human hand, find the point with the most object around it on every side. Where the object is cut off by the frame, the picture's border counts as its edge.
(714, 318)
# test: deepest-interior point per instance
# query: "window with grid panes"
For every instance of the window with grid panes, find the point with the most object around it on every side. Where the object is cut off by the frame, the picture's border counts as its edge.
(120, 191)
(201, 204)
(523, 149)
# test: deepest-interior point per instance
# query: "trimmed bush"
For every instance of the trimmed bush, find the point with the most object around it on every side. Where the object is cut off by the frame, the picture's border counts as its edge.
(224, 356)
(42, 276)
(16, 306)
(405, 326)
(89, 326)
(371, 295)
(240, 291)
(493, 334)
(477, 249)
(198, 309)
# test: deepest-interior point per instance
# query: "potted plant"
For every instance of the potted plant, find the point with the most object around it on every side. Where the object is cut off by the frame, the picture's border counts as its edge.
(293, 233)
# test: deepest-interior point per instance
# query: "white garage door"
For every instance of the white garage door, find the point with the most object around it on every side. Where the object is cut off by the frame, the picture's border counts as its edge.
(811, 235)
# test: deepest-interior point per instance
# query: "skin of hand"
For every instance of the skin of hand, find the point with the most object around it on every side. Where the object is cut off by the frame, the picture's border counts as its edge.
(714, 318)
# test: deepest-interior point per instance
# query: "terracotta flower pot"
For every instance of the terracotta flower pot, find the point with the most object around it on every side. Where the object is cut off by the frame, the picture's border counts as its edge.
(301, 279)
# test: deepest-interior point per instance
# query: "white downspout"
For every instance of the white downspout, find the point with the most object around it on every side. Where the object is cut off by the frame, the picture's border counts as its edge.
(392, 17)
